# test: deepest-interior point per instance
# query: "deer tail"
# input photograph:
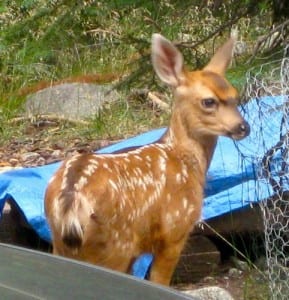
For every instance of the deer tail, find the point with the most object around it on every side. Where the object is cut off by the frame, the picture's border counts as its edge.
(75, 215)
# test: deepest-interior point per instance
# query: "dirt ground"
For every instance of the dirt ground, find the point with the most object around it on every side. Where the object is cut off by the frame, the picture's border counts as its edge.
(242, 285)
(37, 148)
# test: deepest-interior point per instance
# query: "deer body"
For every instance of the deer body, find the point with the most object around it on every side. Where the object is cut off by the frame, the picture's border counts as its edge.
(109, 209)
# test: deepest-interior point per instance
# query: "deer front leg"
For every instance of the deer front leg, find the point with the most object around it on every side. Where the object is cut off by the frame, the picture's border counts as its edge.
(164, 264)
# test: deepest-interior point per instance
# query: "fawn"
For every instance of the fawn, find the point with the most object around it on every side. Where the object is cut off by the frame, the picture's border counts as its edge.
(108, 209)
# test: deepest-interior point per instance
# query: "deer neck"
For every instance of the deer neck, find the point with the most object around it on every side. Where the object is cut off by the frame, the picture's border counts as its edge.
(188, 145)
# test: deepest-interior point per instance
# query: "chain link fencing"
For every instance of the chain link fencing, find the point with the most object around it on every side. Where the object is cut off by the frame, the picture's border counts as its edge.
(271, 157)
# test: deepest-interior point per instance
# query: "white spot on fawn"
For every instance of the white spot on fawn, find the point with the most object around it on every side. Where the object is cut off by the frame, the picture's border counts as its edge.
(169, 218)
(139, 171)
(169, 198)
(191, 209)
(185, 171)
(93, 161)
(52, 179)
(162, 163)
(185, 203)
(178, 178)
(90, 169)
(148, 158)
(68, 165)
(138, 157)
(113, 184)
(148, 178)
(81, 183)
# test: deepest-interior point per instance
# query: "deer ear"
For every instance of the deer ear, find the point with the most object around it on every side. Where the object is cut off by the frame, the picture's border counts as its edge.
(167, 60)
(222, 58)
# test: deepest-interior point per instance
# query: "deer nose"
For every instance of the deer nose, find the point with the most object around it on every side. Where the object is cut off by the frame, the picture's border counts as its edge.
(244, 128)
(240, 131)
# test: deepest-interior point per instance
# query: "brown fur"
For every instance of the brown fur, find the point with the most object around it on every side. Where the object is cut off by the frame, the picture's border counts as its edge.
(86, 78)
(109, 209)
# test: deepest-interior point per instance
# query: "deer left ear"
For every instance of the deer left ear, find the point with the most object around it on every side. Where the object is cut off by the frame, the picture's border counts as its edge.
(222, 58)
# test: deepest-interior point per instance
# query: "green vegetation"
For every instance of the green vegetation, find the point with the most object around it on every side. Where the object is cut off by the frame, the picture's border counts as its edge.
(57, 39)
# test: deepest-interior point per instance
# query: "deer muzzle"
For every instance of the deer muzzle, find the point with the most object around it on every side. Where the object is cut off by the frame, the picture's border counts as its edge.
(240, 131)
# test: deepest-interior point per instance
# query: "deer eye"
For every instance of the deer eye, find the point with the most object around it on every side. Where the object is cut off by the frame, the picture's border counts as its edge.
(209, 103)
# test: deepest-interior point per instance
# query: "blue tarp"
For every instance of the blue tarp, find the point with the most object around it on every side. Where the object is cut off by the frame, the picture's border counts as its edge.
(231, 182)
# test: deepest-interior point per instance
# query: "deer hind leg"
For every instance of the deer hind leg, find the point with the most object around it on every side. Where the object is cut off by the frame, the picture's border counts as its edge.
(165, 261)
(111, 258)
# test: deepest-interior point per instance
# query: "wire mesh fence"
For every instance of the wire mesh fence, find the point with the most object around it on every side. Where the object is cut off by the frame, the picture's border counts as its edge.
(272, 159)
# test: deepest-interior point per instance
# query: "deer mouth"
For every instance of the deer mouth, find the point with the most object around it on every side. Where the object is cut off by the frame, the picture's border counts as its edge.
(240, 131)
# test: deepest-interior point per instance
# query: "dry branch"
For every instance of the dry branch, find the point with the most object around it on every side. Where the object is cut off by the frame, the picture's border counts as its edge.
(157, 101)
(51, 118)
(272, 39)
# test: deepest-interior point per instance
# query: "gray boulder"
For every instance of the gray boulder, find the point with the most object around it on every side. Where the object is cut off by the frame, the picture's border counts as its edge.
(70, 100)
(210, 293)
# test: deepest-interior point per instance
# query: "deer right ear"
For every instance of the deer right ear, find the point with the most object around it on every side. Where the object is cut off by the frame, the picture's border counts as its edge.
(167, 60)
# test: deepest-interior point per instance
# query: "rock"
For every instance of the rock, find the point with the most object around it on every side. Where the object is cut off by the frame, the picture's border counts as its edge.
(240, 264)
(13, 161)
(70, 100)
(210, 293)
(234, 273)
(209, 279)
(56, 153)
(32, 159)
(40, 162)
(29, 156)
